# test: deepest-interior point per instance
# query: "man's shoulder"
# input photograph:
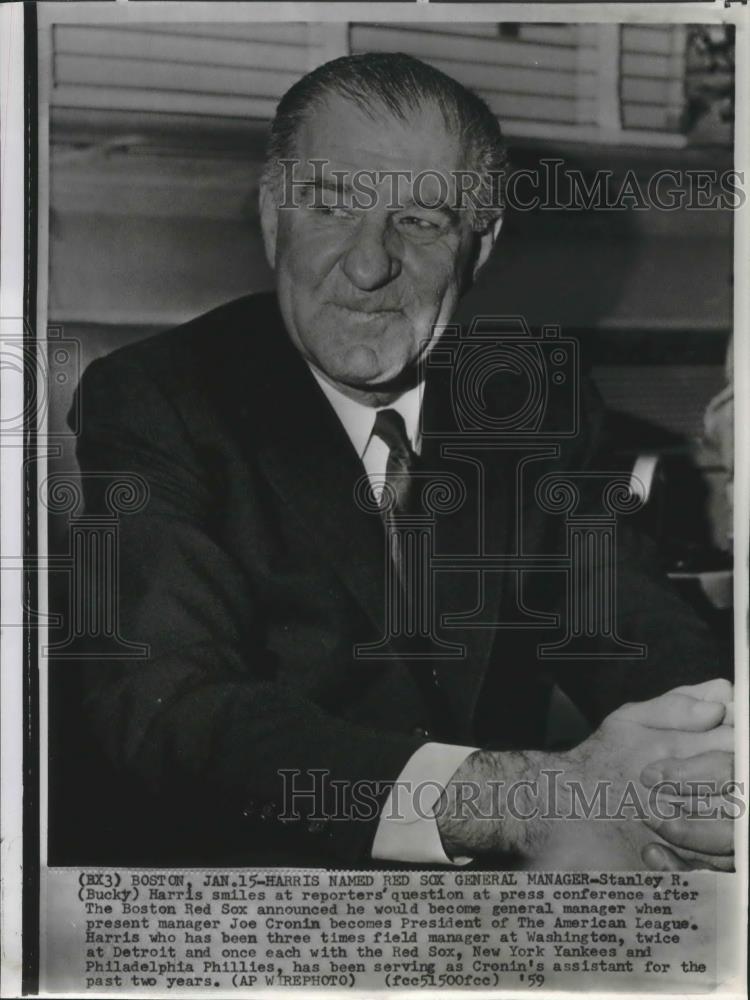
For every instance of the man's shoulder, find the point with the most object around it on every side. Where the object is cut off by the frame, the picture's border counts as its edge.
(200, 366)
(204, 341)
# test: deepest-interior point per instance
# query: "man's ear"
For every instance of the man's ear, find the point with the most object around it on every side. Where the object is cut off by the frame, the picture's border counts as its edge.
(486, 243)
(269, 223)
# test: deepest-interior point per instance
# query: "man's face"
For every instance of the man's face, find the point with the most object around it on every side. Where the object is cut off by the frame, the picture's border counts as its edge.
(361, 288)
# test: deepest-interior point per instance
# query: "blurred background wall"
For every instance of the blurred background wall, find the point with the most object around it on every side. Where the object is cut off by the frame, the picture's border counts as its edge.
(157, 135)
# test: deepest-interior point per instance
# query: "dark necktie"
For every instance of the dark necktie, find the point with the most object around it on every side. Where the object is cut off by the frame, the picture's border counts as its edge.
(395, 503)
(389, 427)
(406, 595)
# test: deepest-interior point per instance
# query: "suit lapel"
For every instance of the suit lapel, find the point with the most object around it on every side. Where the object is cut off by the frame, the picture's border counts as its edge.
(309, 460)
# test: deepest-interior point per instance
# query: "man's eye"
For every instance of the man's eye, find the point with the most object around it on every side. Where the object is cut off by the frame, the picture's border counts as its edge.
(415, 222)
(332, 211)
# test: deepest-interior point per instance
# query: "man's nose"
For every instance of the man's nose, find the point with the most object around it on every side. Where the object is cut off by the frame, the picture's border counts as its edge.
(372, 258)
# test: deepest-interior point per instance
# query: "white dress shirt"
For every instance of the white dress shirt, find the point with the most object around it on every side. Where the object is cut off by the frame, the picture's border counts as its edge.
(407, 830)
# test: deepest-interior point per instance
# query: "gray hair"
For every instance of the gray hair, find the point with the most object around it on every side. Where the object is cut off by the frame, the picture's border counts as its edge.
(402, 85)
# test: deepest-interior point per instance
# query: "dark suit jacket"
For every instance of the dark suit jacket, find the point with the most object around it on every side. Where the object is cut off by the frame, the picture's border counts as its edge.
(251, 574)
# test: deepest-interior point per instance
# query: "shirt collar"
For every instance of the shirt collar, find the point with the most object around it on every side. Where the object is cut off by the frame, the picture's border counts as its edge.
(358, 419)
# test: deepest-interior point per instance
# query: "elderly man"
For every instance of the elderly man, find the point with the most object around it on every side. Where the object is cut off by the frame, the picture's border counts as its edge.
(271, 722)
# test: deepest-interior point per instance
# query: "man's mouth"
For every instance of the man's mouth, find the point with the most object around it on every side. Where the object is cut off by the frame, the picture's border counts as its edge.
(367, 311)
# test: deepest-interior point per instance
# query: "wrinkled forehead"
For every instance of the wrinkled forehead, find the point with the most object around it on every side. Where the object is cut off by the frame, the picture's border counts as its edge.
(353, 138)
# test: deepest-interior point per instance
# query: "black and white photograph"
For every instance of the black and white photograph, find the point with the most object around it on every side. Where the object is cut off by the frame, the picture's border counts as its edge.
(376, 590)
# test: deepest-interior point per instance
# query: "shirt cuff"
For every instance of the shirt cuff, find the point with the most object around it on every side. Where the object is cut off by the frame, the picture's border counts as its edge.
(408, 830)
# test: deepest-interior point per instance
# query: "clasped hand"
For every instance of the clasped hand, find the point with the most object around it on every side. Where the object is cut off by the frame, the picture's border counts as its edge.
(676, 753)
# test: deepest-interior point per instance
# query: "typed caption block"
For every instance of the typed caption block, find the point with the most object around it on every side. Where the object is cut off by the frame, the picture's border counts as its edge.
(192, 930)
